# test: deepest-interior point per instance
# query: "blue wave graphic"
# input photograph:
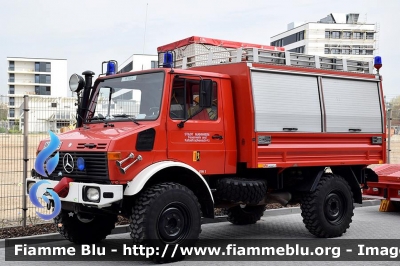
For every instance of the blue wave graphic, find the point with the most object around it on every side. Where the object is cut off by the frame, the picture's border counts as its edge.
(42, 158)
(34, 199)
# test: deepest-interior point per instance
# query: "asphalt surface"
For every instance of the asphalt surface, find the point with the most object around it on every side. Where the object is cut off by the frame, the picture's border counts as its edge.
(368, 223)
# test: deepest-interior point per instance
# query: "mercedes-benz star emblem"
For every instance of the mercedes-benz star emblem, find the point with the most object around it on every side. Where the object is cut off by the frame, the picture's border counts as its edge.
(68, 163)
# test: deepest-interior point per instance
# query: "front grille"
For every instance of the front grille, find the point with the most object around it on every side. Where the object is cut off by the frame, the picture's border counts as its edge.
(96, 167)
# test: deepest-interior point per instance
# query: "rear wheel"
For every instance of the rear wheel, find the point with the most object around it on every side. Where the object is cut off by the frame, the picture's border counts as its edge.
(242, 215)
(327, 211)
(166, 213)
(84, 228)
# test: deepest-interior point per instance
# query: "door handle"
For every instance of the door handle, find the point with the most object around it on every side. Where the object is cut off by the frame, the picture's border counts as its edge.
(216, 136)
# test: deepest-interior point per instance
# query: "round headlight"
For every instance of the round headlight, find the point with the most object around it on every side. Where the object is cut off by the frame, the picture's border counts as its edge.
(93, 194)
(76, 83)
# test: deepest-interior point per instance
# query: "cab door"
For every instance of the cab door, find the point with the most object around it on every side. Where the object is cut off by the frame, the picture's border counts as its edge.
(199, 139)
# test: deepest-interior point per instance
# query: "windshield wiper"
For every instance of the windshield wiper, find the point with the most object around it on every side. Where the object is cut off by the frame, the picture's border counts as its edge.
(127, 116)
(97, 117)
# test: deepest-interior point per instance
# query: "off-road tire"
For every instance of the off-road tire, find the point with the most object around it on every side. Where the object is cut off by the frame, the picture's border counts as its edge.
(166, 213)
(76, 231)
(328, 210)
(246, 191)
(247, 215)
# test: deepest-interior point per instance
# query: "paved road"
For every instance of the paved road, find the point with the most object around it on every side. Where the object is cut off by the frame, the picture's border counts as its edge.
(368, 223)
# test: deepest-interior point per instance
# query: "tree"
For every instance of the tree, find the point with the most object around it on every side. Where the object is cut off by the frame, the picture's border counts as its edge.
(395, 106)
(3, 111)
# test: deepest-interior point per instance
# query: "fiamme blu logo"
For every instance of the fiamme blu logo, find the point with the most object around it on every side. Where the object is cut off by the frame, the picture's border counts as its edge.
(44, 165)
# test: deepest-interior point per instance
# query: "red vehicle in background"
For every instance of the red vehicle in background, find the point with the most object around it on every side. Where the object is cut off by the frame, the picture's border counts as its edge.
(220, 124)
(385, 185)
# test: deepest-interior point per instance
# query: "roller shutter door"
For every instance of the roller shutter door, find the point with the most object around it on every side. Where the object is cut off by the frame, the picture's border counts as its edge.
(286, 101)
(352, 105)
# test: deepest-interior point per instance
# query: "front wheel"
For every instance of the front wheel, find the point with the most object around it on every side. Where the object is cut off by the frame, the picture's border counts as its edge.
(84, 228)
(166, 213)
(327, 211)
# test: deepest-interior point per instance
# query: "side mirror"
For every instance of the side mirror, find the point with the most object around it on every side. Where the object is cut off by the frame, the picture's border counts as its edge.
(205, 96)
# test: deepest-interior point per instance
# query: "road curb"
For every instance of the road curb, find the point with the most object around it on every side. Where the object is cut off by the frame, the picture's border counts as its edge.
(121, 229)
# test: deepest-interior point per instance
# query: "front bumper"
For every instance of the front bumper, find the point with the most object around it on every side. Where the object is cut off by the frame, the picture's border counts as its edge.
(76, 192)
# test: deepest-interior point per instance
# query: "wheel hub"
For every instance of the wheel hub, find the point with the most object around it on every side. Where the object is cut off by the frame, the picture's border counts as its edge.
(172, 224)
(334, 208)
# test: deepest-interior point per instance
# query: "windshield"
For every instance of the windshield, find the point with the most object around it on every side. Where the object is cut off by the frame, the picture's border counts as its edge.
(131, 97)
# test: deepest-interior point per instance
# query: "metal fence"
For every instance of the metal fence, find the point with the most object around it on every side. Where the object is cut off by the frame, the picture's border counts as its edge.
(16, 137)
(43, 114)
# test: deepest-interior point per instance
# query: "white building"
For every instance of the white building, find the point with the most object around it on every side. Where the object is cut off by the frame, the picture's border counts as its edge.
(34, 76)
(48, 113)
(138, 62)
(337, 35)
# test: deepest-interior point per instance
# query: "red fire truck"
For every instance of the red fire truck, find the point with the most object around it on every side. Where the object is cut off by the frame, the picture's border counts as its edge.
(220, 124)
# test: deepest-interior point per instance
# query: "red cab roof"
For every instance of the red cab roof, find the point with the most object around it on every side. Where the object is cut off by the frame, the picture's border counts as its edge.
(215, 42)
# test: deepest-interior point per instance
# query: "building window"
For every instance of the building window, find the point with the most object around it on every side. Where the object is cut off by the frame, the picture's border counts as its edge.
(327, 34)
(326, 51)
(11, 123)
(12, 78)
(356, 50)
(346, 51)
(61, 124)
(289, 39)
(369, 52)
(335, 35)
(12, 112)
(299, 50)
(300, 36)
(42, 67)
(42, 90)
(12, 89)
(154, 64)
(126, 68)
(369, 35)
(335, 51)
(357, 35)
(11, 101)
(45, 79)
(53, 104)
(11, 66)
(346, 35)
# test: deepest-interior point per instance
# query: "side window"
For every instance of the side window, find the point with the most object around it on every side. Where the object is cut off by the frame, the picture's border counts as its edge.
(185, 101)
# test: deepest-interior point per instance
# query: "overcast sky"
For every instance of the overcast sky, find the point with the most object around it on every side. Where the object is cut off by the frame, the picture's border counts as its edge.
(87, 33)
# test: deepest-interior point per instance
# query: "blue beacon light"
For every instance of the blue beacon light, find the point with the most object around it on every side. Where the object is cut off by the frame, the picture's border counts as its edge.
(110, 68)
(377, 63)
(168, 59)
(80, 162)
